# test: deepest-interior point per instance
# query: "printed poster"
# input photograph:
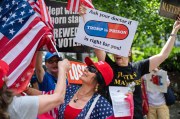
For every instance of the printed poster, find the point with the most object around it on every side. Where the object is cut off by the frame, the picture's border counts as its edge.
(121, 108)
(65, 27)
(106, 31)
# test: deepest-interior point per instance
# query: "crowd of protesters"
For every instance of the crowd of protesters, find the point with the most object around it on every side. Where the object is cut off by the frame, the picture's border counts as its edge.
(80, 101)
(28, 107)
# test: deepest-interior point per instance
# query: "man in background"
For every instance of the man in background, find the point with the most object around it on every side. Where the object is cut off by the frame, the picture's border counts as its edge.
(47, 77)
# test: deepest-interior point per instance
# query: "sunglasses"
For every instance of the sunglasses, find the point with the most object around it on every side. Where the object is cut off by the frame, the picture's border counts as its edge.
(53, 61)
(99, 77)
(92, 69)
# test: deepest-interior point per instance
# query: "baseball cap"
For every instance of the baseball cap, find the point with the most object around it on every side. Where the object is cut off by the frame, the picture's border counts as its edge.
(104, 68)
(4, 68)
(50, 55)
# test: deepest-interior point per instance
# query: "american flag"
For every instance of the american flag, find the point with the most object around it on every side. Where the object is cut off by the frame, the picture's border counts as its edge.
(73, 5)
(53, 112)
(21, 34)
(41, 10)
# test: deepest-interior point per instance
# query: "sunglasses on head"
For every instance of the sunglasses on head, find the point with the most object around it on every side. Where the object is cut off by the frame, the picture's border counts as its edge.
(92, 69)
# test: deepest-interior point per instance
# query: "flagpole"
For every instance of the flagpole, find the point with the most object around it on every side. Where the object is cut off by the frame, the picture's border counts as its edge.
(49, 36)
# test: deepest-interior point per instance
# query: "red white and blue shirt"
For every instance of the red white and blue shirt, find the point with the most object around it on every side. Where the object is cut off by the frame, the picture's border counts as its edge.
(102, 108)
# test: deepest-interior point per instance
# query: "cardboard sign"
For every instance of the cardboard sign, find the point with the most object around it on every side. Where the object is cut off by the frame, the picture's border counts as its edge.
(106, 31)
(156, 81)
(75, 72)
(169, 8)
(65, 27)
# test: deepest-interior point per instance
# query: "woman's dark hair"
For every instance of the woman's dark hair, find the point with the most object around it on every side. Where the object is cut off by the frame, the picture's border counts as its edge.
(6, 97)
(102, 85)
(99, 78)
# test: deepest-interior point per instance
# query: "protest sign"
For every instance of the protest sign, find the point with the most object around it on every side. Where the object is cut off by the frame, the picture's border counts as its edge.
(170, 8)
(118, 95)
(65, 27)
(75, 72)
(156, 81)
(106, 31)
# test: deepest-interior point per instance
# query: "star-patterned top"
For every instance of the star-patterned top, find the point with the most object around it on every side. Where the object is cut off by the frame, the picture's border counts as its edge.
(102, 108)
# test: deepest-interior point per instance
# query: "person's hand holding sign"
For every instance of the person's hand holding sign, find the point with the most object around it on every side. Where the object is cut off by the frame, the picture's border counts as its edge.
(82, 10)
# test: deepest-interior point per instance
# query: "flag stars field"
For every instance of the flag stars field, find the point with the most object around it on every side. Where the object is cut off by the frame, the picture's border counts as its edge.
(11, 31)
(21, 20)
(12, 22)
(22, 13)
(10, 13)
(4, 18)
(13, 2)
(31, 11)
(24, 5)
(14, 15)
(7, 6)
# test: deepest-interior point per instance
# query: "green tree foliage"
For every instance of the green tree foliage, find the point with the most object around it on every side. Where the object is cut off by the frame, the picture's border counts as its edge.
(153, 30)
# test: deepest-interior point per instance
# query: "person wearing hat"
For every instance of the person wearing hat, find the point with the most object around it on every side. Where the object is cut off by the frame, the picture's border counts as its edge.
(28, 107)
(84, 101)
(47, 79)
(126, 72)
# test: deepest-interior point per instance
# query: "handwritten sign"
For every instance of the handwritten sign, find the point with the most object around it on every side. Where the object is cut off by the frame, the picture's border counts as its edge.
(106, 31)
(156, 81)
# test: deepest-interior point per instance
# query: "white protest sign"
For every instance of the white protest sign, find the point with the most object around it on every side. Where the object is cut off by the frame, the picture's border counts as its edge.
(106, 31)
(157, 81)
(121, 108)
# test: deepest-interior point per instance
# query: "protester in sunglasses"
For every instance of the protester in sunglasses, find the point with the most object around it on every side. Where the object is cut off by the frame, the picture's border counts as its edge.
(85, 101)
(126, 72)
(47, 79)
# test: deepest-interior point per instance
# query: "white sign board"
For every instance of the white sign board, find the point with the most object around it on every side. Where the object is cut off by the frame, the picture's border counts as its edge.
(121, 108)
(106, 31)
(157, 81)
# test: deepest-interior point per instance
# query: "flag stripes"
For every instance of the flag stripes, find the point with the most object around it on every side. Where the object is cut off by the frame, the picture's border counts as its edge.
(73, 5)
(20, 36)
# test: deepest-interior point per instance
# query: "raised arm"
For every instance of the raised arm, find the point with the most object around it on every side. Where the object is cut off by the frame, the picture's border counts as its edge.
(39, 69)
(156, 60)
(101, 55)
(48, 102)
